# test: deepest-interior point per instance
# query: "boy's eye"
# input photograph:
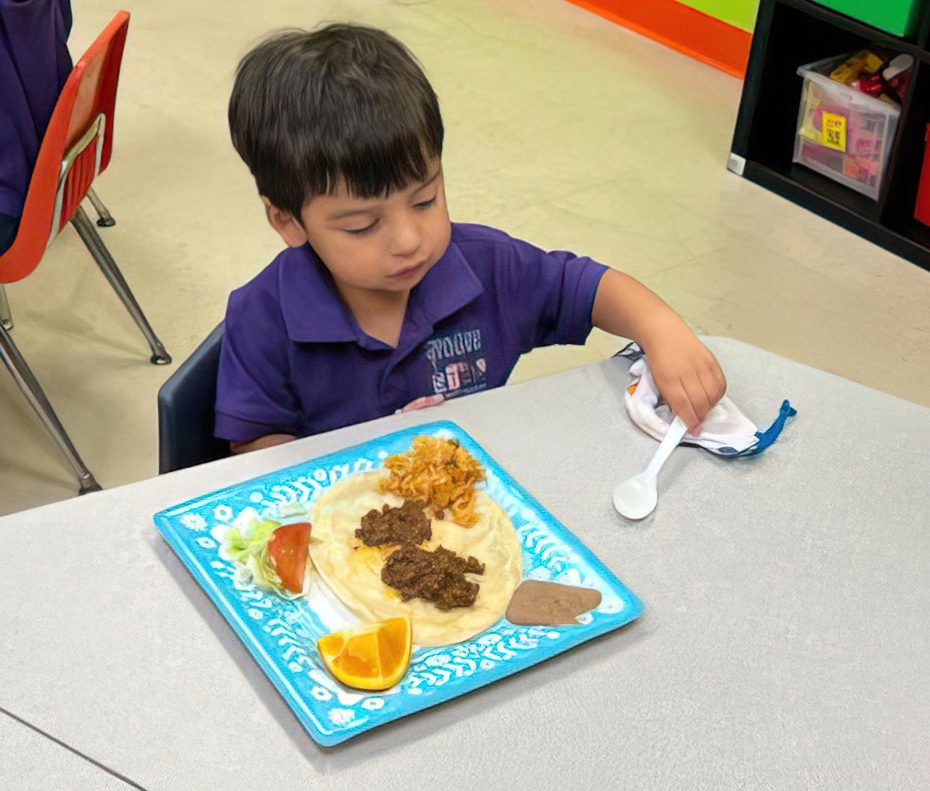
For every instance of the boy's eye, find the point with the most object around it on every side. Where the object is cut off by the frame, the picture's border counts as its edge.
(361, 231)
(425, 204)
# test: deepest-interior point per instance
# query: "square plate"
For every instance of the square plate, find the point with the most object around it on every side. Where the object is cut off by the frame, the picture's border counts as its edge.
(281, 635)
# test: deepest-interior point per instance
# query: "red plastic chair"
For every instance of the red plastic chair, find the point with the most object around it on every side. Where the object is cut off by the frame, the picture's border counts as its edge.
(76, 148)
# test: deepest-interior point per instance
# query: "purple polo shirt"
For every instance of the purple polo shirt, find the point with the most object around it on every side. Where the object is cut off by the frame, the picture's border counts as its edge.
(34, 64)
(295, 361)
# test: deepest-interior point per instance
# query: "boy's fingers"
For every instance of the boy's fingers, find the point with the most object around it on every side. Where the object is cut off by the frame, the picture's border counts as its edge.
(700, 400)
(424, 403)
(693, 401)
(707, 388)
(680, 404)
(691, 390)
(715, 385)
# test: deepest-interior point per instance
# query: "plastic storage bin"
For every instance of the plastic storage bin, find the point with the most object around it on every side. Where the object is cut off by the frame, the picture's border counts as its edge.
(893, 16)
(843, 133)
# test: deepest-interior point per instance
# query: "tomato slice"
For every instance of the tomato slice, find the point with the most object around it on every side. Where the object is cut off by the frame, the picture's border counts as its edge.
(287, 549)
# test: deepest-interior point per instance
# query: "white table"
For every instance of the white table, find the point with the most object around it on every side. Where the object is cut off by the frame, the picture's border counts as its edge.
(31, 761)
(785, 641)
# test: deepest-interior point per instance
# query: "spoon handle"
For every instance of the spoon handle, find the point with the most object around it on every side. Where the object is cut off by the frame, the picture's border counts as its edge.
(673, 436)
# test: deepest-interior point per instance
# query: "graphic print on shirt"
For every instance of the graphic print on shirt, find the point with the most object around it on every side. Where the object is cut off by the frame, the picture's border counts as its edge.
(457, 362)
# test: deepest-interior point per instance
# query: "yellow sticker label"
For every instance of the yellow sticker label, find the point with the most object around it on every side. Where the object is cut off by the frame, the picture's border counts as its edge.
(833, 131)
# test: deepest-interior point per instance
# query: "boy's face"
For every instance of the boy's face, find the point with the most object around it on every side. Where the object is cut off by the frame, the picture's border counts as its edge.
(382, 245)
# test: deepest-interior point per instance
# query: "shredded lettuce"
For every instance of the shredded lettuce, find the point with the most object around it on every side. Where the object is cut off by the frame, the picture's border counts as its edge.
(247, 543)
(250, 539)
(290, 510)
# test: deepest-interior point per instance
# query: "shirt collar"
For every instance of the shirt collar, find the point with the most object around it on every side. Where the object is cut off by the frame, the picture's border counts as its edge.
(310, 304)
(449, 286)
(314, 313)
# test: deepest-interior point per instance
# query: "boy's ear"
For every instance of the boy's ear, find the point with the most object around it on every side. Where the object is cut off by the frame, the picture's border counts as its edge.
(286, 224)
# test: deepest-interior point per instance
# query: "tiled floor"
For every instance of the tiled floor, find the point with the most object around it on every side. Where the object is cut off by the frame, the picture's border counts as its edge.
(561, 128)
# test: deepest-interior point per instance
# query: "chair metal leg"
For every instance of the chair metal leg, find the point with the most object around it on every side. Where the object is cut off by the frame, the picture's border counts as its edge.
(108, 266)
(31, 388)
(104, 218)
(6, 318)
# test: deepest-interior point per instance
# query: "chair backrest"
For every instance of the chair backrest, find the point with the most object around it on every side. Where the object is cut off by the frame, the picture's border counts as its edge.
(75, 148)
(186, 410)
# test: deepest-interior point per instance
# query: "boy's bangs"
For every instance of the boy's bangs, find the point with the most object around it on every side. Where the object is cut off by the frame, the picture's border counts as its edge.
(377, 162)
(375, 173)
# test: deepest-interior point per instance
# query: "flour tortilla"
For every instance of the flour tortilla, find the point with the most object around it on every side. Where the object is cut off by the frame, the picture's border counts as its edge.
(353, 571)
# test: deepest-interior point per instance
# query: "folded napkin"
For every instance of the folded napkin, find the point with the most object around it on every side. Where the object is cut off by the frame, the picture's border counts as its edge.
(726, 431)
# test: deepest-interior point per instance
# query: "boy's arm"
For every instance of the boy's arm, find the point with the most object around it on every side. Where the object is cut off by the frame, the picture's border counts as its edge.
(687, 374)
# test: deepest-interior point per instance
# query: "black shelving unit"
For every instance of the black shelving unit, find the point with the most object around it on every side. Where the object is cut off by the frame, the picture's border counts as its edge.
(792, 33)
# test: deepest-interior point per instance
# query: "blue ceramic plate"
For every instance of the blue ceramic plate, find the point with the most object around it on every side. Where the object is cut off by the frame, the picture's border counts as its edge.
(281, 635)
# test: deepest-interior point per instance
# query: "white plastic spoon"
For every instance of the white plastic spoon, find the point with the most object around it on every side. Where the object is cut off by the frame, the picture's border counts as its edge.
(636, 498)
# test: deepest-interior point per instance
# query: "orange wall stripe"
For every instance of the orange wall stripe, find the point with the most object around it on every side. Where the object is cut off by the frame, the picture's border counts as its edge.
(682, 28)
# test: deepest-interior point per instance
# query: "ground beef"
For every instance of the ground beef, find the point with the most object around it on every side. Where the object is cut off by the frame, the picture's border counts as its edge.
(405, 525)
(437, 577)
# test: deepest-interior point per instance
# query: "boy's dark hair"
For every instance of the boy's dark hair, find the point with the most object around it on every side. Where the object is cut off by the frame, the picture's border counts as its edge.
(345, 103)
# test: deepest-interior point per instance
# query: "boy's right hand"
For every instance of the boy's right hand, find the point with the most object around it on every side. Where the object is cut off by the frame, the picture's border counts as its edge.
(689, 378)
(686, 373)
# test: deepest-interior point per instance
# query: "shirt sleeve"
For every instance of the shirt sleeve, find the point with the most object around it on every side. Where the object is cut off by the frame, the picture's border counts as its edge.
(254, 395)
(550, 294)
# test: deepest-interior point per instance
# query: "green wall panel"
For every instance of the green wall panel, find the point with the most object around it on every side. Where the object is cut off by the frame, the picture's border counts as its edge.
(740, 13)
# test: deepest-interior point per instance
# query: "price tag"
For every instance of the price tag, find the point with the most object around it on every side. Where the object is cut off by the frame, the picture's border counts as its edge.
(833, 131)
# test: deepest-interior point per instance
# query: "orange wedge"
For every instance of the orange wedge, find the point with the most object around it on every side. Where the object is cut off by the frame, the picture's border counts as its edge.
(373, 656)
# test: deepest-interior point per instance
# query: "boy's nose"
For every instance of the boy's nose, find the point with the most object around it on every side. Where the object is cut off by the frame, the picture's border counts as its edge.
(406, 240)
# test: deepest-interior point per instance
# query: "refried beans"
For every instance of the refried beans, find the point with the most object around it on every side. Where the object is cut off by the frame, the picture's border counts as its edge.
(539, 603)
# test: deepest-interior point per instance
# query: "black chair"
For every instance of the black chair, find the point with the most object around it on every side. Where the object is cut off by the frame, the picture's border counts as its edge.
(186, 410)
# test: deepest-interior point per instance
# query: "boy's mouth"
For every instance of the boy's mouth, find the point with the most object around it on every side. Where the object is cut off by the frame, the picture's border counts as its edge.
(408, 271)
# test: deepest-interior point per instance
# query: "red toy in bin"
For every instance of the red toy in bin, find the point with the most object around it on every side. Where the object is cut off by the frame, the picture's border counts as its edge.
(922, 207)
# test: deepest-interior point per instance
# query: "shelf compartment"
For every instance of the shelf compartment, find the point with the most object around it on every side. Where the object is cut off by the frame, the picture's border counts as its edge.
(793, 33)
(769, 113)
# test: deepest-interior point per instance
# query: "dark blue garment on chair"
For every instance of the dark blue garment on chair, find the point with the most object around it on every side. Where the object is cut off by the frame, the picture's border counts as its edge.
(34, 64)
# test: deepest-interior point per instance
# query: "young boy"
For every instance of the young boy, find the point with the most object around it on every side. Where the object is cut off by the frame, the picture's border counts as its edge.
(380, 303)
